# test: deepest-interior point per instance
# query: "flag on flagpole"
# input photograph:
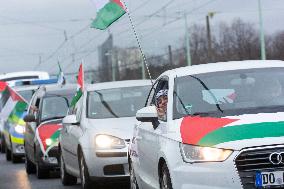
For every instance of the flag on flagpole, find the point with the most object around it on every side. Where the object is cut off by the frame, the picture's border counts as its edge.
(108, 11)
(80, 86)
(60, 77)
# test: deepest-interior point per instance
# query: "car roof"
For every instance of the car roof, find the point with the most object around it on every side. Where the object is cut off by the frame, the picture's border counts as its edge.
(224, 66)
(117, 84)
(51, 90)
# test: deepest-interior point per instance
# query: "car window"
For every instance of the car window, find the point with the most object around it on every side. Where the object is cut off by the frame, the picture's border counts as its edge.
(161, 86)
(115, 103)
(27, 94)
(54, 107)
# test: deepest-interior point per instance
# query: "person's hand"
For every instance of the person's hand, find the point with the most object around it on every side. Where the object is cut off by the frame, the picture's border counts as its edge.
(161, 112)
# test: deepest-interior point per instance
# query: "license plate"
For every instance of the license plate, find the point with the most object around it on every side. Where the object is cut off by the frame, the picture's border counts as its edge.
(263, 179)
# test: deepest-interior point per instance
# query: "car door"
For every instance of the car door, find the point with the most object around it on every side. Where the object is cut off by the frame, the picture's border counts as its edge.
(72, 134)
(148, 143)
(31, 128)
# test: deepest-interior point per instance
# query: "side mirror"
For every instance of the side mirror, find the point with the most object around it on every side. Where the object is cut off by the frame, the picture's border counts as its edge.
(30, 118)
(148, 114)
(70, 120)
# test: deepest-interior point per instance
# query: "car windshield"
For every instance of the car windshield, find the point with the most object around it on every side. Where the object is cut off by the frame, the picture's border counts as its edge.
(54, 107)
(115, 103)
(27, 95)
(229, 93)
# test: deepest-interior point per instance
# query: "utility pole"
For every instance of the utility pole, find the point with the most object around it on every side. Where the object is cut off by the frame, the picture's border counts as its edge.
(143, 70)
(261, 33)
(112, 65)
(208, 16)
(188, 57)
(170, 55)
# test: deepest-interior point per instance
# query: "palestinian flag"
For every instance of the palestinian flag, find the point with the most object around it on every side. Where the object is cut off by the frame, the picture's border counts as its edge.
(47, 136)
(108, 11)
(12, 103)
(80, 86)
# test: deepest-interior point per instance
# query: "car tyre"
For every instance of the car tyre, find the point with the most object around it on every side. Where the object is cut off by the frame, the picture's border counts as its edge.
(41, 173)
(84, 174)
(3, 146)
(30, 166)
(133, 181)
(66, 178)
(8, 154)
(15, 159)
(164, 178)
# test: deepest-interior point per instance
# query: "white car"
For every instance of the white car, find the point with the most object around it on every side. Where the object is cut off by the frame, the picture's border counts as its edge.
(94, 140)
(224, 128)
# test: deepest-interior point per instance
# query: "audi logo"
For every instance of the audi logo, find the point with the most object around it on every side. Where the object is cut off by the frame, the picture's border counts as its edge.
(276, 158)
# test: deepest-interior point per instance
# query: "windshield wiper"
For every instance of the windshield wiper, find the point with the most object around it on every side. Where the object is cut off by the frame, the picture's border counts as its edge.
(210, 92)
(105, 104)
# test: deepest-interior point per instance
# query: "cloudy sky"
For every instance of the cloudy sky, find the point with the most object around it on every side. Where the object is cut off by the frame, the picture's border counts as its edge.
(34, 34)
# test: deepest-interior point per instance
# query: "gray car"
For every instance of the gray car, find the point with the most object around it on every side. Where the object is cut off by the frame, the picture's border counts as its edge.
(96, 133)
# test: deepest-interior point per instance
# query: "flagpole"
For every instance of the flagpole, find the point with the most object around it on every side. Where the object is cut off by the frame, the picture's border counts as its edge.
(144, 62)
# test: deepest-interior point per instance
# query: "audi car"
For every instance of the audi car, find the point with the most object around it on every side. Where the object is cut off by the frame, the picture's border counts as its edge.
(223, 128)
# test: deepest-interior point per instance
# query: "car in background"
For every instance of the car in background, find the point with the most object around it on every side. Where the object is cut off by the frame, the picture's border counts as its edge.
(14, 126)
(224, 128)
(94, 140)
(18, 79)
(43, 122)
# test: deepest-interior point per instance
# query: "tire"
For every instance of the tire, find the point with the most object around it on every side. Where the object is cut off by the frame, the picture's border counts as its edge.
(3, 145)
(133, 181)
(86, 182)
(30, 167)
(66, 178)
(41, 173)
(165, 178)
(15, 159)
(8, 154)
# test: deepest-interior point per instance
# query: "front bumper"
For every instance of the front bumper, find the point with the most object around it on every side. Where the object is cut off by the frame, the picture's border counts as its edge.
(104, 165)
(51, 161)
(211, 175)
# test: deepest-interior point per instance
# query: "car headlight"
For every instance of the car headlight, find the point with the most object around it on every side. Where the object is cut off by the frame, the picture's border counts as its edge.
(192, 154)
(48, 142)
(109, 142)
(20, 129)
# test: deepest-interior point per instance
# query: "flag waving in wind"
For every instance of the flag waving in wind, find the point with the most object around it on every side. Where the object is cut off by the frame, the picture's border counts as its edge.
(80, 86)
(12, 104)
(108, 11)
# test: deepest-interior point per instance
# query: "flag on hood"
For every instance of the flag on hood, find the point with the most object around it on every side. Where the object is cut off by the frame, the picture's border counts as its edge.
(80, 86)
(47, 136)
(13, 105)
(108, 11)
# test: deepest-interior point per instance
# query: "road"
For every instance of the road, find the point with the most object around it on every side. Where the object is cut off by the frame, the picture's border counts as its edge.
(13, 176)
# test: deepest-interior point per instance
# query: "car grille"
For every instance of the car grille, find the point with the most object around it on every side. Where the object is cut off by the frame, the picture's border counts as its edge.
(248, 162)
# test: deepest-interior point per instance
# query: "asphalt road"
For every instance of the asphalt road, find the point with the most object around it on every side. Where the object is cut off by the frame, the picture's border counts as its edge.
(13, 176)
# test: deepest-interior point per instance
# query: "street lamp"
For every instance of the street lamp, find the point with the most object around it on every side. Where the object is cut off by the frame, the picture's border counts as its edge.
(261, 33)
(109, 54)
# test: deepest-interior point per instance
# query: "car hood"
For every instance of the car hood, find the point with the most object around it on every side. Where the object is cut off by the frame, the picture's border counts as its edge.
(233, 132)
(119, 127)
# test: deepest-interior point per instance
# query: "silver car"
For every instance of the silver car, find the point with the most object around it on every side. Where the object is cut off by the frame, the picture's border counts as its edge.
(96, 133)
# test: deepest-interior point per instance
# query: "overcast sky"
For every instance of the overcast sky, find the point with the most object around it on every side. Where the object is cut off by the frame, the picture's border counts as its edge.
(35, 33)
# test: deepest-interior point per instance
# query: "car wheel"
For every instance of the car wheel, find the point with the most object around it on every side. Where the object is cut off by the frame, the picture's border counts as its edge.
(84, 174)
(165, 179)
(15, 159)
(133, 181)
(30, 167)
(8, 154)
(41, 173)
(3, 146)
(66, 178)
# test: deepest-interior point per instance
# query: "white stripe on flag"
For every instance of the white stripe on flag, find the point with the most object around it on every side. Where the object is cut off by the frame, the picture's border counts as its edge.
(100, 4)
(7, 109)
